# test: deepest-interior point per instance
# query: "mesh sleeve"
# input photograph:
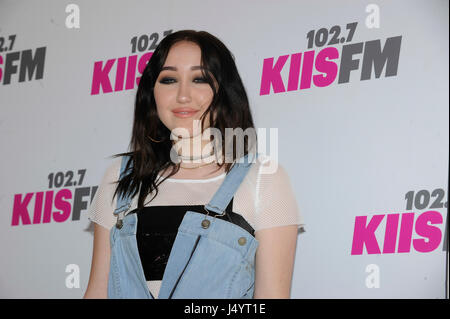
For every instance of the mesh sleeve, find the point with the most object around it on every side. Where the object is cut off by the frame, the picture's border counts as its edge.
(276, 204)
(101, 210)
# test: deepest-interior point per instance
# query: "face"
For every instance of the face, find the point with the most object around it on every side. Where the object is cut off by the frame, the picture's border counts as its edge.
(180, 86)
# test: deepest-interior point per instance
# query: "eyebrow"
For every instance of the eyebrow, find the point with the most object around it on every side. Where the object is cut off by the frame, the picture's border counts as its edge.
(172, 68)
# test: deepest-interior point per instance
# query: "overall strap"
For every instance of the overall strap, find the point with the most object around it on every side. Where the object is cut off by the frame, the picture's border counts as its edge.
(230, 185)
(123, 202)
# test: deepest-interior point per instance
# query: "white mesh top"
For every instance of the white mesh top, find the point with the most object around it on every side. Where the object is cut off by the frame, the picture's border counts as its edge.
(264, 199)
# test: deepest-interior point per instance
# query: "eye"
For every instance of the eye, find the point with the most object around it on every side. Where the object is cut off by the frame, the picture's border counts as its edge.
(166, 80)
(202, 79)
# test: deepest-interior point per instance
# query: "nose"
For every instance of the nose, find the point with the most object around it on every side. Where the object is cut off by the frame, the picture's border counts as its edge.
(184, 92)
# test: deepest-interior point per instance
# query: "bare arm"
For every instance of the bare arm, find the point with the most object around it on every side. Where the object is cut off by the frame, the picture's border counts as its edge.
(275, 262)
(98, 280)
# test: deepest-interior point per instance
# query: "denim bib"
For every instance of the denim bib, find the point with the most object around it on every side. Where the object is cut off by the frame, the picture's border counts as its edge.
(211, 258)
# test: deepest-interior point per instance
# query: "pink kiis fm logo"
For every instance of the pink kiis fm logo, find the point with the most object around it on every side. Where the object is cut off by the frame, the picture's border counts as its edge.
(43, 205)
(123, 70)
(125, 73)
(66, 201)
(302, 64)
(395, 241)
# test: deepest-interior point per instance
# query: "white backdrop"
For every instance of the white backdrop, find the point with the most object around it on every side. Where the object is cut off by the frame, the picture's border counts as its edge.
(354, 149)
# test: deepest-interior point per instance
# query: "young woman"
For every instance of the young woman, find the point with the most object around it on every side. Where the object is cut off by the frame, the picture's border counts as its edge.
(190, 85)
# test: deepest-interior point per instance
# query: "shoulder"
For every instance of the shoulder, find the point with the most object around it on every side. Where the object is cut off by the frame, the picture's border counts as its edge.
(112, 171)
(103, 204)
(273, 182)
(276, 203)
(270, 170)
(267, 175)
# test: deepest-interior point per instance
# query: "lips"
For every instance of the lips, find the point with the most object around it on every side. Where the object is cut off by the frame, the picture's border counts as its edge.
(184, 109)
(184, 112)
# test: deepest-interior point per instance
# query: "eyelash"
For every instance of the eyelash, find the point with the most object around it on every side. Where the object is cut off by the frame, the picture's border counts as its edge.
(165, 80)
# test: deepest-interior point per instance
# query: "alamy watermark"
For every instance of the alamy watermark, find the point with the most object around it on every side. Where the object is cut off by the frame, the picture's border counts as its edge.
(234, 140)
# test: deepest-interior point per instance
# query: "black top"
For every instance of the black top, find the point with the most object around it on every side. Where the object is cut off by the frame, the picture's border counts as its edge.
(157, 227)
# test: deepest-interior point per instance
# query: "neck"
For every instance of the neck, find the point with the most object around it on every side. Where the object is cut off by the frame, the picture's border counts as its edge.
(195, 148)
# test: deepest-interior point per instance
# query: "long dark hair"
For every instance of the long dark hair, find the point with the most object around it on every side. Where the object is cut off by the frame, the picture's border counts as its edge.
(229, 104)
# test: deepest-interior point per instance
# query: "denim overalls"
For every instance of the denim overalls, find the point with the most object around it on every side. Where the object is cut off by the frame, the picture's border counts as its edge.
(210, 257)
